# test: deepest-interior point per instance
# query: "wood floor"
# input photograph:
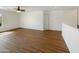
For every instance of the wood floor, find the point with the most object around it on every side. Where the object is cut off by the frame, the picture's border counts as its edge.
(32, 41)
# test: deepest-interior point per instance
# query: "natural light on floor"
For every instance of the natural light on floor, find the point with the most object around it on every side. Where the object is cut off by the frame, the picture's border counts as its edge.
(5, 33)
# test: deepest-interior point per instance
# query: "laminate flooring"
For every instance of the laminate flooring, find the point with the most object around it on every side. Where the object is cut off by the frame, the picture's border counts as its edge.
(32, 41)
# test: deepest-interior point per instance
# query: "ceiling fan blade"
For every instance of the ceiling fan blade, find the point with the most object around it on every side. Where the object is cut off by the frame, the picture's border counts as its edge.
(22, 10)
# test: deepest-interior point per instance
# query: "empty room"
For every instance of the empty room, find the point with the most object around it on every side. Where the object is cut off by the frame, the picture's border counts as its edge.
(39, 29)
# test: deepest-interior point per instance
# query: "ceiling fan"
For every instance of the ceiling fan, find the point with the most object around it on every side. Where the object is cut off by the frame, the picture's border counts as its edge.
(19, 9)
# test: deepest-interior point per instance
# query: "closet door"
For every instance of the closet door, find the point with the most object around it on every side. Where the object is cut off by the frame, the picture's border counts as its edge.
(58, 17)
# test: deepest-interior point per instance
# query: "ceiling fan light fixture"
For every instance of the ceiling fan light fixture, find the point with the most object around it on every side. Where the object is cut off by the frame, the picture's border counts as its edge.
(19, 9)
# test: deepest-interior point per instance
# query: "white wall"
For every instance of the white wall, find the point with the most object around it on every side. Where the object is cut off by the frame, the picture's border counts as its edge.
(57, 17)
(0, 18)
(10, 20)
(46, 19)
(39, 19)
(78, 15)
(32, 19)
(55, 21)
(71, 37)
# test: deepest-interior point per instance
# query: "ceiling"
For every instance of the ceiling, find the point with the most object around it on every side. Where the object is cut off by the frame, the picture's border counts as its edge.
(40, 7)
(50, 7)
